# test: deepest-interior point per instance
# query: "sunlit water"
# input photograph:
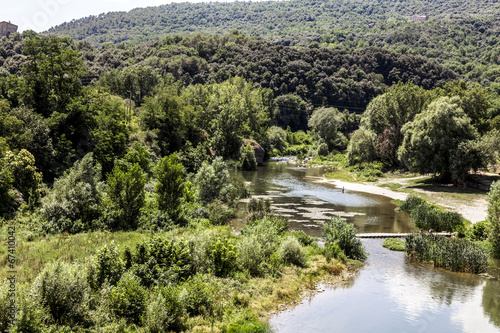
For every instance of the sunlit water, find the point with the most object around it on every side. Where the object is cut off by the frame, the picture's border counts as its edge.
(389, 294)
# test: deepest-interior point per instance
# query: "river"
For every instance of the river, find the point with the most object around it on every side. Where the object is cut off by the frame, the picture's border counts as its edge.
(388, 294)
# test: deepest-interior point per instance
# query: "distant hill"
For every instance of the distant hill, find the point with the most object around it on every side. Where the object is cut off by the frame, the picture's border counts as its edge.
(297, 22)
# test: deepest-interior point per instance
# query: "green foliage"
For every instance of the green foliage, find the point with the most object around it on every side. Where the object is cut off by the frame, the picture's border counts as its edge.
(276, 139)
(333, 250)
(126, 193)
(108, 267)
(223, 255)
(196, 294)
(75, 197)
(128, 299)
(480, 231)
(291, 252)
(159, 260)
(26, 178)
(6, 182)
(31, 317)
(326, 122)
(394, 244)
(165, 311)
(302, 237)
(291, 111)
(63, 290)
(411, 203)
(219, 213)
(361, 147)
(454, 254)
(427, 216)
(338, 231)
(212, 182)
(170, 186)
(432, 138)
(247, 158)
(494, 217)
(249, 327)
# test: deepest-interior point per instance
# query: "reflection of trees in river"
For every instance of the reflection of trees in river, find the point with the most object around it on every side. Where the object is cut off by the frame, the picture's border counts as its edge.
(445, 286)
(491, 301)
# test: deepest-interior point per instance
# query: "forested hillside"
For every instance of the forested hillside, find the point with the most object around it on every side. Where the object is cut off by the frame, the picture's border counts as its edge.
(347, 79)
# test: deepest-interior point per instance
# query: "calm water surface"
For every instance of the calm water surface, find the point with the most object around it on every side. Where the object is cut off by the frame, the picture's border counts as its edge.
(389, 294)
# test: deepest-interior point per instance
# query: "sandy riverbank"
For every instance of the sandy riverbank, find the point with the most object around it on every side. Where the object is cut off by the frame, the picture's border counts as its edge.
(474, 211)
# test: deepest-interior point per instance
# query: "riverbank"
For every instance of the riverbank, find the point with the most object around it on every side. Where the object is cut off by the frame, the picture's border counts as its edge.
(471, 204)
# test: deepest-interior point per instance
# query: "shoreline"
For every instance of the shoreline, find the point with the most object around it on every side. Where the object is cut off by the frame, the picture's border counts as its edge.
(475, 212)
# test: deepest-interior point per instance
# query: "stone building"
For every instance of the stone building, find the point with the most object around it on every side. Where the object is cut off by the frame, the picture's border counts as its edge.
(6, 28)
(419, 18)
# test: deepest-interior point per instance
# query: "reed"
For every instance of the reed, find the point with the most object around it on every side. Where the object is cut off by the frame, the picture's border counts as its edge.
(458, 255)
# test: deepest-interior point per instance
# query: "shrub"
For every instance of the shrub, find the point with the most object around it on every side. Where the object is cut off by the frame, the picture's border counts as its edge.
(170, 186)
(338, 231)
(76, 196)
(291, 252)
(457, 255)
(165, 311)
(494, 218)
(219, 213)
(480, 231)
(411, 203)
(427, 216)
(31, 318)
(258, 209)
(249, 327)
(107, 266)
(223, 255)
(333, 250)
(63, 289)
(247, 159)
(196, 295)
(128, 299)
(6, 312)
(302, 237)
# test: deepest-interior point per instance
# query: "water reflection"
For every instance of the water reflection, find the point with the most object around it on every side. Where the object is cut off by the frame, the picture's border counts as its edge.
(308, 205)
(393, 295)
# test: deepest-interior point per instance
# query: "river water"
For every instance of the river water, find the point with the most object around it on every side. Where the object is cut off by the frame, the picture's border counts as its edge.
(388, 294)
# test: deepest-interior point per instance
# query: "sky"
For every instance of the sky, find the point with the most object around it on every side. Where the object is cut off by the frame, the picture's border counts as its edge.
(40, 15)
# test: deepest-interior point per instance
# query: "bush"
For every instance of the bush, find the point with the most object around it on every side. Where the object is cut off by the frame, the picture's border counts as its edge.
(31, 318)
(247, 159)
(161, 259)
(108, 266)
(333, 250)
(165, 311)
(128, 299)
(196, 295)
(302, 237)
(223, 255)
(63, 289)
(338, 231)
(458, 255)
(258, 209)
(427, 216)
(411, 203)
(249, 327)
(219, 213)
(291, 252)
(76, 196)
(480, 231)
(6, 312)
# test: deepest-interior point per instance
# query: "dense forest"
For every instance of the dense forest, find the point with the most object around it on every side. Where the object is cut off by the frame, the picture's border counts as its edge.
(461, 35)
(127, 132)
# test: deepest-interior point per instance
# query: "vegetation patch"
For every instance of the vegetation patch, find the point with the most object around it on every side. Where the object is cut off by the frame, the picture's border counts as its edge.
(457, 255)
(394, 244)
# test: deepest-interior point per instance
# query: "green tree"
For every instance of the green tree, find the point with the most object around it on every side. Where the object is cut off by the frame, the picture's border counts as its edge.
(494, 217)
(6, 182)
(26, 177)
(291, 111)
(247, 158)
(326, 122)
(361, 147)
(76, 197)
(431, 140)
(127, 195)
(52, 73)
(391, 111)
(170, 186)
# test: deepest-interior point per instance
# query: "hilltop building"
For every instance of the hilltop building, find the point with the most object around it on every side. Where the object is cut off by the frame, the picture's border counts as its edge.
(6, 28)
(419, 18)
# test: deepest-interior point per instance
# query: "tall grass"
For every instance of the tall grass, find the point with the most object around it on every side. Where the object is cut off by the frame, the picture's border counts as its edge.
(457, 255)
